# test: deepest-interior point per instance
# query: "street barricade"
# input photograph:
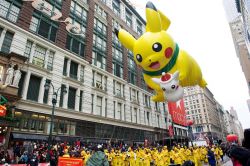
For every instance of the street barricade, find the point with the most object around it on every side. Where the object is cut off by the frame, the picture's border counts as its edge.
(66, 161)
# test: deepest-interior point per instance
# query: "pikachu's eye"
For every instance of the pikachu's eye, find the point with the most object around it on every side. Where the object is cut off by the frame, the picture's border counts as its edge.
(157, 47)
(139, 58)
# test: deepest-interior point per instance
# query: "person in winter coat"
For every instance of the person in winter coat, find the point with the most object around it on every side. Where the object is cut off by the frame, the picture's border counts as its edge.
(240, 156)
(98, 158)
(246, 140)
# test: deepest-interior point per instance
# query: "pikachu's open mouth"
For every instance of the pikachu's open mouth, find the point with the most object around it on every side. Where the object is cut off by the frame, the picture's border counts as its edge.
(155, 65)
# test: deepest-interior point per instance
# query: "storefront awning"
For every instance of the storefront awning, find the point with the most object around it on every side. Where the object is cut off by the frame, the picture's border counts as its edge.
(29, 136)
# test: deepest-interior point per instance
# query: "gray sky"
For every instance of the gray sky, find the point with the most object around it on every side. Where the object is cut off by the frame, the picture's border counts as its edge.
(201, 28)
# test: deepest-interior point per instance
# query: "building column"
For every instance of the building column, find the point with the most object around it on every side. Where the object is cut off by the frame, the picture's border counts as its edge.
(94, 104)
(25, 15)
(77, 102)
(62, 32)
(125, 64)
(2, 37)
(109, 58)
(78, 72)
(50, 97)
(123, 112)
(89, 32)
(32, 52)
(41, 90)
(46, 58)
(103, 107)
(26, 85)
(68, 67)
(65, 98)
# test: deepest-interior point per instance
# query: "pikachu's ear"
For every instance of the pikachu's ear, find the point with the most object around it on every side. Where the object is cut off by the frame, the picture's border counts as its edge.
(125, 38)
(165, 22)
(153, 18)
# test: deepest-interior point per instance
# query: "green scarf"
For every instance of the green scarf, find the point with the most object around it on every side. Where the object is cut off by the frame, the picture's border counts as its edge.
(168, 67)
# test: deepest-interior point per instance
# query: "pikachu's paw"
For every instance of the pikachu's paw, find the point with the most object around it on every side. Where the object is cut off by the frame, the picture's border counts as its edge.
(158, 98)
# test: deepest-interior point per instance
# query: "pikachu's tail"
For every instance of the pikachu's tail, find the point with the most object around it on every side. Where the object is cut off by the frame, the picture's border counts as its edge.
(203, 83)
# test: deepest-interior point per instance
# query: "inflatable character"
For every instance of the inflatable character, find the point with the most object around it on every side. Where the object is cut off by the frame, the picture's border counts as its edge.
(169, 83)
(156, 52)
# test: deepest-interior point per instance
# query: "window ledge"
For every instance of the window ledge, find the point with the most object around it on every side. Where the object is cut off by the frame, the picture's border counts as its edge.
(39, 68)
(147, 107)
(120, 97)
(73, 80)
(100, 90)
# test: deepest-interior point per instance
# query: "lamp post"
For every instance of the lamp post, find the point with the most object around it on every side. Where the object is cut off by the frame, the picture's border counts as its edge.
(190, 130)
(54, 101)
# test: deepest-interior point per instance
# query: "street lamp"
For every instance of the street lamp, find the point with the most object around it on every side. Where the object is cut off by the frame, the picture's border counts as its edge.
(54, 101)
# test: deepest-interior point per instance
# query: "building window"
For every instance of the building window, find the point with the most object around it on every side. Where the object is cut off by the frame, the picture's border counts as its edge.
(10, 9)
(28, 48)
(41, 25)
(71, 98)
(75, 45)
(7, 42)
(118, 69)
(99, 59)
(46, 93)
(139, 28)
(147, 100)
(39, 56)
(158, 120)
(99, 106)
(128, 18)
(116, 7)
(100, 27)
(34, 87)
(118, 89)
(73, 70)
(157, 106)
(100, 11)
(50, 60)
(148, 118)
(21, 84)
(135, 115)
(65, 65)
(78, 11)
(131, 69)
(80, 102)
(99, 43)
(119, 111)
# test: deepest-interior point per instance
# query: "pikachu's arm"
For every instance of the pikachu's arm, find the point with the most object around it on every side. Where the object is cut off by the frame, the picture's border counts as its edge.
(151, 83)
(182, 65)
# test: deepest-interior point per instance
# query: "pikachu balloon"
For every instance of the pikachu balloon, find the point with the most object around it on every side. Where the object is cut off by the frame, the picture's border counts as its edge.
(156, 52)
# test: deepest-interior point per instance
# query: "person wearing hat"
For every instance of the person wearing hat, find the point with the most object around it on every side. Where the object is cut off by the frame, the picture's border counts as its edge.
(246, 140)
(98, 158)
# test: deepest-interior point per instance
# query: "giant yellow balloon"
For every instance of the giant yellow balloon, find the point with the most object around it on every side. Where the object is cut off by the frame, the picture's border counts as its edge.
(156, 52)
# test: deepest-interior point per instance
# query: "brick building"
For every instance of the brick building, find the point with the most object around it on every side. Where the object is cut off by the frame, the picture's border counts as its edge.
(106, 97)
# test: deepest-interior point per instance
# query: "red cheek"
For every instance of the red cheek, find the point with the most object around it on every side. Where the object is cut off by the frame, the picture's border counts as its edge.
(168, 52)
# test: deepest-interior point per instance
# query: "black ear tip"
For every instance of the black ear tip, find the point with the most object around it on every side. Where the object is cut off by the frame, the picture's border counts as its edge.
(150, 5)
(116, 32)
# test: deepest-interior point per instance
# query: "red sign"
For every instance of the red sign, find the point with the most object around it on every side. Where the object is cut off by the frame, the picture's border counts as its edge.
(67, 161)
(177, 111)
(2, 110)
(171, 131)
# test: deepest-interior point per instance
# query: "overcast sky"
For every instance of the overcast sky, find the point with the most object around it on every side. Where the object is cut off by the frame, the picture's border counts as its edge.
(201, 28)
